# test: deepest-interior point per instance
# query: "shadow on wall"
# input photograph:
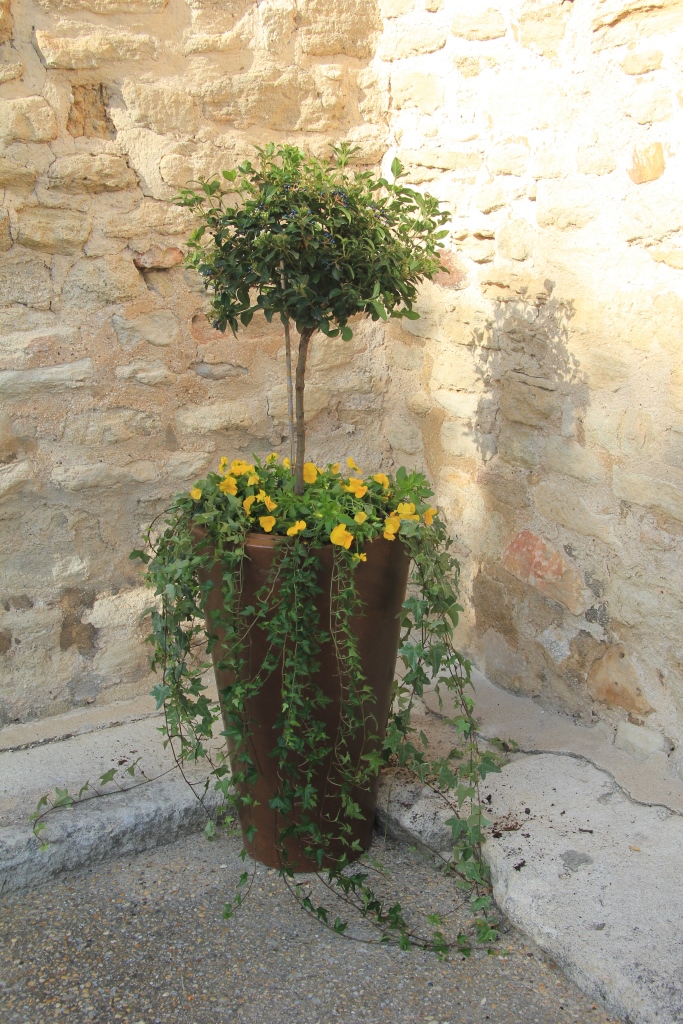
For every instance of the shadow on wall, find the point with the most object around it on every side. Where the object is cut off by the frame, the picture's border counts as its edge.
(540, 626)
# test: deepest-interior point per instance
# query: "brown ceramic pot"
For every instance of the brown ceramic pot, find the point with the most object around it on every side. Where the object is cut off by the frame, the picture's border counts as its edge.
(381, 582)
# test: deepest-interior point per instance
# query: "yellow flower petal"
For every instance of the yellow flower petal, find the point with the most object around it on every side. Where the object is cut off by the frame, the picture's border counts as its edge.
(195, 494)
(341, 536)
(381, 478)
(273, 457)
(299, 525)
(356, 487)
(267, 523)
(362, 557)
(335, 467)
(360, 517)
(228, 485)
(352, 465)
(253, 479)
(248, 502)
(429, 515)
(269, 503)
(223, 465)
(286, 463)
(388, 536)
(310, 472)
(405, 510)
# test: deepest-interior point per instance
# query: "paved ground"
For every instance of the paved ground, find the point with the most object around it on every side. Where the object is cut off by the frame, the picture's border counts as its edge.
(142, 940)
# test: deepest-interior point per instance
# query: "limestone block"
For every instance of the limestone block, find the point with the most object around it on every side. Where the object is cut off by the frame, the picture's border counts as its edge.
(614, 680)
(114, 610)
(564, 208)
(110, 426)
(549, 162)
(516, 239)
(101, 474)
(457, 368)
(28, 383)
(673, 257)
(400, 41)
(93, 49)
(460, 439)
(5, 21)
(634, 431)
(465, 161)
(149, 216)
(647, 164)
(534, 561)
(490, 197)
(203, 419)
(415, 89)
(454, 274)
(157, 258)
(521, 445)
(327, 27)
(479, 26)
(565, 456)
(639, 63)
(58, 231)
(16, 176)
(373, 101)
(160, 106)
(14, 475)
(104, 6)
(5, 235)
(469, 67)
(508, 158)
(83, 172)
(277, 23)
(272, 98)
(541, 28)
(648, 103)
(26, 281)
(317, 399)
(28, 119)
(10, 69)
(523, 403)
(640, 742)
(89, 115)
(143, 371)
(95, 282)
(595, 160)
(159, 328)
(637, 601)
(661, 489)
(673, 447)
(621, 21)
(395, 8)
(559, 500)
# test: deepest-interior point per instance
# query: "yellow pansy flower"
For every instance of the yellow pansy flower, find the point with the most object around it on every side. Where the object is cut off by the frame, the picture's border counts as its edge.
(239, 467)
(248, 502)
(362, 557)
(267, 501)
(299, 525)
(267, 523)
(228, 485)
(352, 465)
(360, 517)
(273, 457)
(310, 472)
(429, 515)
(195, 494)
(391, 527)
(341, 536)
(356, 487)
(286, 463)
(223, 465)
(383, 479)
(335, 467)
(406, 510)
(253, 479)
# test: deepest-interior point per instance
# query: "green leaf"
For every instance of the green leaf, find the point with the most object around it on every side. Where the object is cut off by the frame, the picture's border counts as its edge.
(107, 777)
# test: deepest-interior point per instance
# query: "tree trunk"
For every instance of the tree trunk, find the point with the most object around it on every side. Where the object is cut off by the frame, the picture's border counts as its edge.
(304, 339)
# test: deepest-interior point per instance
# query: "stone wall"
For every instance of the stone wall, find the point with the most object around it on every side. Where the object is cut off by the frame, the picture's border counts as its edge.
(542, 388)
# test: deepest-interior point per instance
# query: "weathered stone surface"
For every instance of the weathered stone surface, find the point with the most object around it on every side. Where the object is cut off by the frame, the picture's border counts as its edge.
(541, 28)
(89, 116)
(479, 26)
(515, 240)
(100, 474)
(200, 419)
(648, 104)
(337, 26)
(661, 489)
(5, 235)
(563, 455)
(25, 280)
(158, 259)
(5, 21)
(673, 257)
(94, 49)
(415, 89)
(149, 216)
(158, 328)
(59, 231)
(83, 172)
(160, 106)
(443, 159)
(461, 439)
(647, 164)
(395, 8)
(15, 475)
(110, 426)
(11, 69)
(401, 41)
(638, 741)
(96, 282)
(16, 176)
(29, 119)
(532, 560)
(523, 403)
(560, 501)
(146, 371)
(104, 6)
(595, 160)
(27, 383)
(491, 197)
(639, 63)
(521, 445)
(673, 447)
(508, 158)
(614, 680)
(557, 209)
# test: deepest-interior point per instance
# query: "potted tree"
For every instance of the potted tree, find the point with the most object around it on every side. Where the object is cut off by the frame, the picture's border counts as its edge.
(296, 573)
